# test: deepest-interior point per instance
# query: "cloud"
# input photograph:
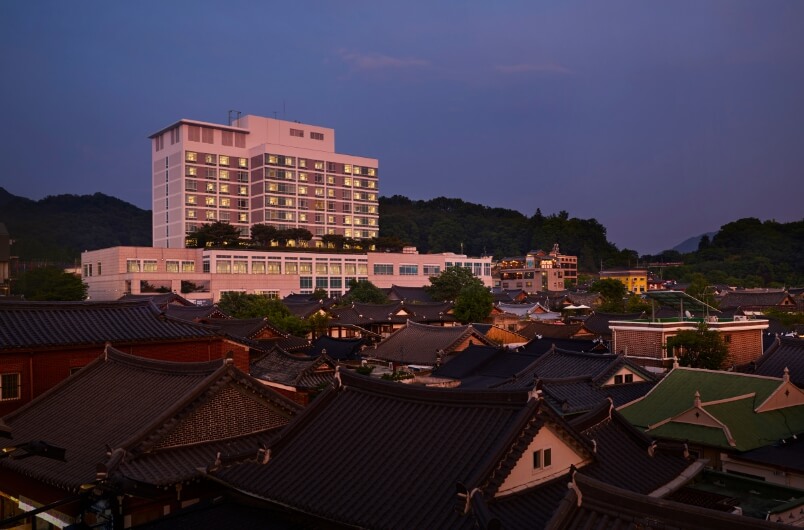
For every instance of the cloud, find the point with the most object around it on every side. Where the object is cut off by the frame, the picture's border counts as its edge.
(548, 68)
(376, 61)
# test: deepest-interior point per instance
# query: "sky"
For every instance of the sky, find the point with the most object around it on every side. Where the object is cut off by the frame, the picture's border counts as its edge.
(662, 120)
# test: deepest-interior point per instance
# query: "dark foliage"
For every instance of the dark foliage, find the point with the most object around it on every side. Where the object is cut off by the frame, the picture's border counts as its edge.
(58, 228)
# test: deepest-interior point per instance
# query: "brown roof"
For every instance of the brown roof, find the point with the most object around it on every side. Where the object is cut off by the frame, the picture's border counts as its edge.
(422, 344)
(734, 300)
(552, 331)
(138, 409)
(307, 373)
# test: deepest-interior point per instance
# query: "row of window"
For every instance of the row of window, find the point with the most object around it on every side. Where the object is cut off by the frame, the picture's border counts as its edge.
(211, 173)
(332, 167)
(213, 159)
(152, 265)
(318, 218)
(478, 269)
(213, 215)
(212, 187)
(299, 133)
(318, 178)
(241, 266)
(387, 269)
(211, 201)
(88, 269)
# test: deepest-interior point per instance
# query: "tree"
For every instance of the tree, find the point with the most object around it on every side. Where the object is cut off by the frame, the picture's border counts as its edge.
(263, 234)
(319, 324)
(613, 293)
(217, 234)
(50, 283)
(364, 291)
(699, 289)
(701, 348)
(243, 305)
(636, 304)
(449, 284)
(474, 303)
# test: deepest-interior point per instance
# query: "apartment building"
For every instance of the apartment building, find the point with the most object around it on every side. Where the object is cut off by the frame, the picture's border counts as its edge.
(203, 275)
(259, 170)
(635, 280)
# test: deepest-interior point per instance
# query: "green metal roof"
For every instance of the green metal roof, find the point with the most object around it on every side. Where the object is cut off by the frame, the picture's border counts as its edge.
(676, 394)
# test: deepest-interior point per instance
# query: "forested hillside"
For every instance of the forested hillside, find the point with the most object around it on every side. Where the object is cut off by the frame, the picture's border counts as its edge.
(58, 228)
(452, 225)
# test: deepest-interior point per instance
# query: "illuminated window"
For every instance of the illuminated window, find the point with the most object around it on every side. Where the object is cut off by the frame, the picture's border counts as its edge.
(305, 268)
(192, 171)
(209, 201)
(240, 266)
(273, 159)
(191, 156)
(209, 215)
(223, 160)
(132, 265)
(242, 217)
(242, 162)
(149, 265)
(291, 268)
(242, 190)
(347, 181)
(347, 168)
(302, 177)
(188, 266)
(289, 161)
(371, 171)
(223, 174)
(319, 165)
(302, 190)
(190, 214)
(172, 266)
(274, 267)
(210, 188)
(356, 170)
(223, 267)
(209, 159)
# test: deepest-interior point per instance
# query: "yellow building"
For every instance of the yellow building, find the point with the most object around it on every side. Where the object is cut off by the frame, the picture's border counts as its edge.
(635, 280)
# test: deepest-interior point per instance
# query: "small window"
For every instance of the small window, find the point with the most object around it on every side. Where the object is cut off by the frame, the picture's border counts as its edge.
(298, 133)
(542, 458)
(618, 379)
(9, 386)
(317, 136)
(629, 378)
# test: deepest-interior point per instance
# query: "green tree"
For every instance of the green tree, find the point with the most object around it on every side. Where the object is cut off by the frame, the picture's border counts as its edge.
(699, 288)
(474, 303)
(635, 304)
(319, 324)
(365, 292)
(243, 305)
(613, 293)
(449, 284)
(50, 283)
(700, 348)
(263, 234)
(217, 234)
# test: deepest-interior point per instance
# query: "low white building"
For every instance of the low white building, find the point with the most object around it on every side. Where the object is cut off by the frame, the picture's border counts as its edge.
(202, 275)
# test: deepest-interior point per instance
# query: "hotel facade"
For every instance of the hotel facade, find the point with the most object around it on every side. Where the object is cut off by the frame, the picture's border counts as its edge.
(203, 275)
(259, 170)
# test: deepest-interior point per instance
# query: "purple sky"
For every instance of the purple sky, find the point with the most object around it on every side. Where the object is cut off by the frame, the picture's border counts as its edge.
(662, 120)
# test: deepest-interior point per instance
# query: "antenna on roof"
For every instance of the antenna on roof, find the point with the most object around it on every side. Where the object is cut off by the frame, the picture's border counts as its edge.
(235, 114)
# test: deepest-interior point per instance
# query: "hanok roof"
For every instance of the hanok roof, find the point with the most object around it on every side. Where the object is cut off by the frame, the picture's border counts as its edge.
(423, 344)
(160, 300)
(53, 324)
(194, 313)
(786, 354)
(520, 310)
(409, 294)
(281, 368)
(416, 440)
(737, 299)
(359, 314)
(720, 409)
(338, 349)
(539, 345)
(598, 323)
(574, 382)
(144, 430)
(258, 333)
(498, 334)
(591, 503)
(553, 331)
(305, 309)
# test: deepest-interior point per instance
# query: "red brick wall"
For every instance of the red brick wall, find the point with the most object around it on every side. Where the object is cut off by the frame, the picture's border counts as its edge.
(638, 343)
(744, 346)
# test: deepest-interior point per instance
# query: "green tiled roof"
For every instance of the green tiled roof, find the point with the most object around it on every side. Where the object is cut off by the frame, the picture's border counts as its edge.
(676, 394)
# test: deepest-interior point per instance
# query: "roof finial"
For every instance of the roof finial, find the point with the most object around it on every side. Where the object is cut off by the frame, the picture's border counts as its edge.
(697, 401)
(786, 376)
(573, 486)
(338, 382)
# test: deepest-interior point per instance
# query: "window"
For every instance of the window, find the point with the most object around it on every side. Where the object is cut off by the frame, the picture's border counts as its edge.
(149, 265)
(305, 268)
(242, 162)
(9, 386)
(298, 133)
(209, 215)
(191, 185)
(542, 458)
(431, 270)
(317, 136)
(188, 266)
(242, 190)
(209, 201)
(318, 165)
(274, 267)
(242, 176)
(223, 160)
(240, 266)
(225, 201)
(210, 187)
(291, 268)
(191, 156)
(223, 267)
(132, 265)
(408, 270)
(305, 282)
(223, 174)
(321, 283)
(383, 269)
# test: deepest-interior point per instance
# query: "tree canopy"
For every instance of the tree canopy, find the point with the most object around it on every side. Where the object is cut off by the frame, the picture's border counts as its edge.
(474, 304)
(50, 283)
(243, 305)
(613, 293)
(700, 348)
(217, 234)
(364, 291)
(450, 282)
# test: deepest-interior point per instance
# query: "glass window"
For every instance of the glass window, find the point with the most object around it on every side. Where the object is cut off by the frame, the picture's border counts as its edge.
(335, 268)
(191, 156)
(240, 266)
(257, 267)
(321, 268)
(408, 270)
(274, 267)
(291, 267)
(223, 160)
(132, 265)
(188, 266)
(9, 386)
(321, 283)
(383, 269)
(149, 265)
(305, 282)
(242, 162)
(305, 268)
(223, 267)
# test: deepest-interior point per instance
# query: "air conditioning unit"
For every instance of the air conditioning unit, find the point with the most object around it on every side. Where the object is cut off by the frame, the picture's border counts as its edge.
(740, 318)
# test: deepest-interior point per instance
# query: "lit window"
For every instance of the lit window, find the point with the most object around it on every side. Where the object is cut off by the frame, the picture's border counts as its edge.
(347, 168)
(192, 171)
(223, 174)
(291, 268)
(242, 217)
(188, 266)
(289, 161)
(356, 170)
(274, 267)
(242, 162)
(9, 386)
(347, 181)
(319, 165)
(191, 156)
(371, 171)
(172, 266)
(223, 160)
(210, 187)
(242, 190)
(149, 265)
(210, 215)
(240, 267)
(209, 201)
(132, 265)
(302, 177)
(209, 159)
(190, 214)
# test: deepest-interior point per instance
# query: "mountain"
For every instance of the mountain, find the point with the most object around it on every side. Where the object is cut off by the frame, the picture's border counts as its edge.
(691, 244)
(59, 227)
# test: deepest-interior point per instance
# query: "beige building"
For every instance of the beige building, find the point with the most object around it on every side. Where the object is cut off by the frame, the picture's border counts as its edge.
(259, 170)
(202, 275)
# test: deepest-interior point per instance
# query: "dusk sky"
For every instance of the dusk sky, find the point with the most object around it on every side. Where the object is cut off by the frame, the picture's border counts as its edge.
(662, 120)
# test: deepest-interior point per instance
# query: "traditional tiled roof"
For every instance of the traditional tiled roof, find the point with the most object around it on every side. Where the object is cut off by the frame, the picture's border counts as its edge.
(598, 323)
(409, 294)
(160, 300)
(338, 349)
(588, 299)
(786, 354)
(520, 310)
(540, 345)
(305, 309)
(593, 504)
(785, 455)
(194, 313)
(52, 324)
(244, 328)
(147, 407)
(221, 512)
(756, 299)
(498, 334)
(552, 331)
(423, 344)
(415, 440)
(307, 373)
(729, 409)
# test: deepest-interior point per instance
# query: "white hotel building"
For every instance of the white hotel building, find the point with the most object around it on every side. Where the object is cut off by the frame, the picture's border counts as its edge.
(259, 170)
